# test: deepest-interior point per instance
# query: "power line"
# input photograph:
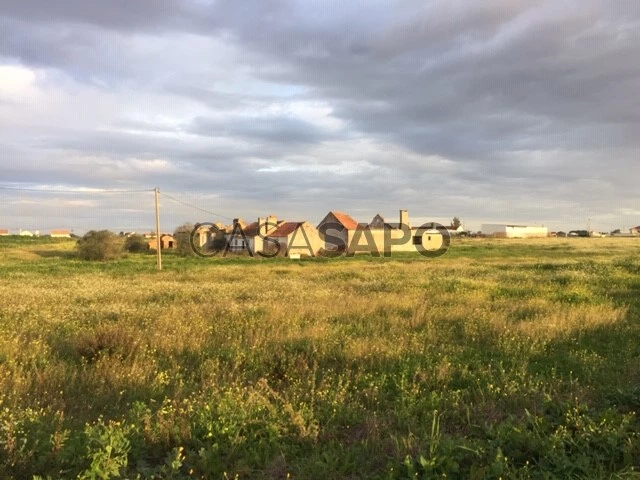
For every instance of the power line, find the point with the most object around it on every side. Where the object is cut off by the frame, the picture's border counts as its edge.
(195, 207)
(54, 190)
(89, 192)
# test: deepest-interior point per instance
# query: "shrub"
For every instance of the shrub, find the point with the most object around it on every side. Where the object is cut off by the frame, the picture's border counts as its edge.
(136, 244)
(100, 245)
(182, 237)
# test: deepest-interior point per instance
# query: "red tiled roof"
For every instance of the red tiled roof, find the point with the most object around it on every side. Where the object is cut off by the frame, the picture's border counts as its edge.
(346, 220)
(4, 230)
(60, 232)
(285, 229)
(251, 230)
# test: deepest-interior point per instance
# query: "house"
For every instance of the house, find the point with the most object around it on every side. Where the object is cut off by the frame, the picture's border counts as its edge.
(635, 230)
(377, 222)
(25, 233)
(295, 239)
(337, 230)
(60, 233)
(340, 231)
(4, 232)
(166, 242)
(241, 236)
(205, 234)
(513, 231)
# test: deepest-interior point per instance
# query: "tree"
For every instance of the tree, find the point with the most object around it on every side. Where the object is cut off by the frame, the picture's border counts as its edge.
(136, 244)
(182, 237)
(456, 222)
(100, 245)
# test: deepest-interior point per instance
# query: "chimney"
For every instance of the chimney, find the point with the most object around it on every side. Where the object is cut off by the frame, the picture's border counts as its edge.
(272, 222)
(404, 218)
(262, 226)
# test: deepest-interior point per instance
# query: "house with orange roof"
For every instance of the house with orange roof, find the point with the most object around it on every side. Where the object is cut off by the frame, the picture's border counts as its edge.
(340, 231)
(264, 236)
(337, 230)
(295, 239)
(242, 236)
(4, 232)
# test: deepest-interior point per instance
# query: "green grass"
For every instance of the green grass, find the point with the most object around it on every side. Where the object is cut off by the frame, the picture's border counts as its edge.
(501, 359)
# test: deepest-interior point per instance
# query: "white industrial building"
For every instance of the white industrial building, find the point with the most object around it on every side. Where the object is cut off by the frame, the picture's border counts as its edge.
(513, 231)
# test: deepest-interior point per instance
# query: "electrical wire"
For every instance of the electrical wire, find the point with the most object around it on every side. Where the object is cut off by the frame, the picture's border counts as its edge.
(46, 190)
(195, 207)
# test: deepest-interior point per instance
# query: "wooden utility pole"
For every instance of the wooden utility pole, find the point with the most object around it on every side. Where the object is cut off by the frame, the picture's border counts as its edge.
(158, 239)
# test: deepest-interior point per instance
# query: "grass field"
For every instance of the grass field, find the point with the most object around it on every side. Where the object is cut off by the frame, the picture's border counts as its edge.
(501, 359)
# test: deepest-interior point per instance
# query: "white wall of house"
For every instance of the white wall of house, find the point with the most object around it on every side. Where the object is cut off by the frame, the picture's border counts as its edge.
(238, 243)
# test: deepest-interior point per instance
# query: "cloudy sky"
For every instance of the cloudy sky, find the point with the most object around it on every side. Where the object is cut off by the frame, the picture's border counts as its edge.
(501, 110)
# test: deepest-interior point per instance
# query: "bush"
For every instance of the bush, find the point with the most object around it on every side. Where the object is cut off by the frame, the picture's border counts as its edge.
(182, 237)
(136, 244)
(100, 245)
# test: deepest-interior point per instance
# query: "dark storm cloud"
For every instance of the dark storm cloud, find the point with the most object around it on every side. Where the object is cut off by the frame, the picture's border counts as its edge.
(494, 77)
(304, 101)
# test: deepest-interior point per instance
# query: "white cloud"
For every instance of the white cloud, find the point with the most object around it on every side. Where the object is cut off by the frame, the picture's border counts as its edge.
(17, 82)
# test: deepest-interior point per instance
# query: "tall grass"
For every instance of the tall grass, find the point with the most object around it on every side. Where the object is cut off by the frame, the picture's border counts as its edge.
(502, 359)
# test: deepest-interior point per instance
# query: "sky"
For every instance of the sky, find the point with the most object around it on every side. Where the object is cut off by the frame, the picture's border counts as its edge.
(494, 111)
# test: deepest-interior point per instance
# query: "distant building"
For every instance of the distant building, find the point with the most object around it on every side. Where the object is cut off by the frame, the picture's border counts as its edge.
(166, 242)
(60, 233)
(297, 238)
(513, 231)
(378, 235)
(25, 233)
(635, 230)
(342, 227)
(244, 237)
(4, 232)
(206, 234)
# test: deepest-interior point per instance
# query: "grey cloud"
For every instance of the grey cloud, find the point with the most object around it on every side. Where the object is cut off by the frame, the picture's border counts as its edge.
(523, 100)
(270, 128)
(115, 14)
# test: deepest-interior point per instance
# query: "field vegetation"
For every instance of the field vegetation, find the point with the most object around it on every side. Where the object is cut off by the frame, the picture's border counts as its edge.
(501, 359)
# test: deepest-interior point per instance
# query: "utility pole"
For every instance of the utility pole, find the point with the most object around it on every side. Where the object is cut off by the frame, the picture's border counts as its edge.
(158, 239)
